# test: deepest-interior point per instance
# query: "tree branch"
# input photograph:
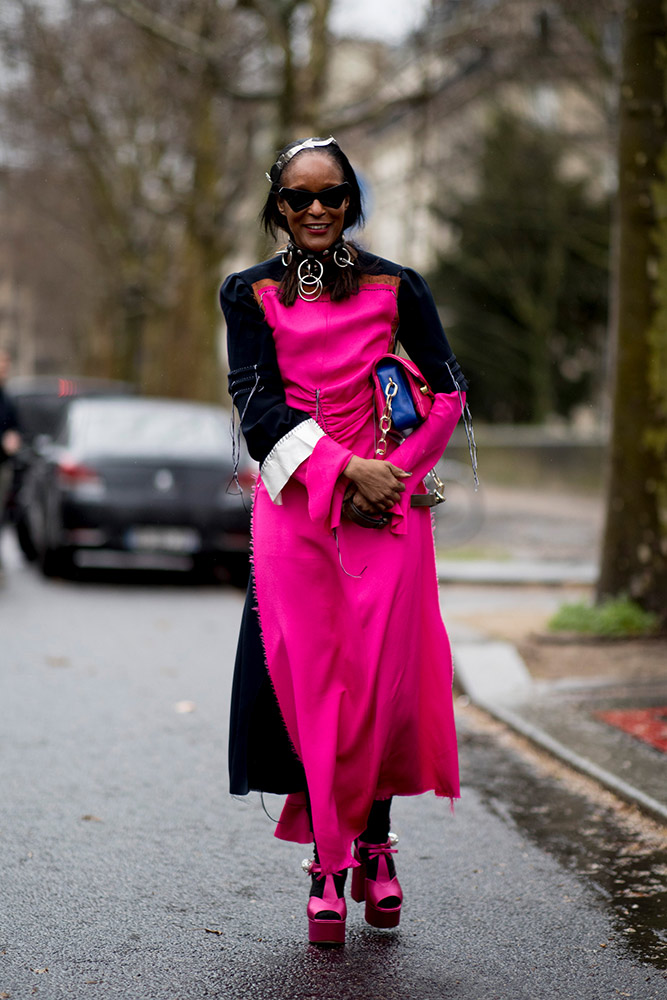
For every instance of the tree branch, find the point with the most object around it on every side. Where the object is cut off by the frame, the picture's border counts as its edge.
(186, 41)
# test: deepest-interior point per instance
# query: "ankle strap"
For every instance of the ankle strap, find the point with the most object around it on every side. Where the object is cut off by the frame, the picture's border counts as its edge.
(377, 850)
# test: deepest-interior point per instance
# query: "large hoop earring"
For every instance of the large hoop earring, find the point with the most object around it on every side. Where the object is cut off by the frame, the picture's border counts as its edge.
(342, 257)
(310, 274)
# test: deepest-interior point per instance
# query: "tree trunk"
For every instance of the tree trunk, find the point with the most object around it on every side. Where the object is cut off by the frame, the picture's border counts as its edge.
(634, 556)
(184, 358)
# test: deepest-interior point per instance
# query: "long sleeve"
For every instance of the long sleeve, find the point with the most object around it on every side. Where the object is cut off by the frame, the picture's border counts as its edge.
(8, 417)
(419, 452)
(254, 378)
(8, 420)
(279, 437)
(421, 334)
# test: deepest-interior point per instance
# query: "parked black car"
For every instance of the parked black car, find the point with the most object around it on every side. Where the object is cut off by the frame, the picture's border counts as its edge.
(137, 482)
(40, 401)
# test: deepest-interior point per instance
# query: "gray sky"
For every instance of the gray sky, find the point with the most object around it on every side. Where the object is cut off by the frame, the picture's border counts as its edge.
(386, 19)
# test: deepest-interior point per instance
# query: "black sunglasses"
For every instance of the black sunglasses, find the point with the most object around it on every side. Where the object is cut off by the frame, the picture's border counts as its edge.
(298, 200)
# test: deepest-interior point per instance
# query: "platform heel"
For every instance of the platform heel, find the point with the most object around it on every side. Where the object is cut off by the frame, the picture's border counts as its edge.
(374, 881)
(327, 910)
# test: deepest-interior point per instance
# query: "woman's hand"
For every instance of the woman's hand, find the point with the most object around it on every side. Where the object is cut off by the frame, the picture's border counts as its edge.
(379, 483)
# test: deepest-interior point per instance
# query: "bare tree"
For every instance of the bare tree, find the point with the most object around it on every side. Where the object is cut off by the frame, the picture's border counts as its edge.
(145, 139)
(159, 140)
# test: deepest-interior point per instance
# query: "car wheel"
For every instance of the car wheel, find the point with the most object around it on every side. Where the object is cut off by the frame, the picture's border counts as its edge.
(55, 562)
(24, 539)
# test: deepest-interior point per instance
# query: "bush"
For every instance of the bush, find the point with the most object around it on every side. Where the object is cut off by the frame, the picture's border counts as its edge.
(614, 618)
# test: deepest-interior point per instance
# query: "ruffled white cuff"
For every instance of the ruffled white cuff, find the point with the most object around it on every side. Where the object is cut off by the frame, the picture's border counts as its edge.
(287, 455)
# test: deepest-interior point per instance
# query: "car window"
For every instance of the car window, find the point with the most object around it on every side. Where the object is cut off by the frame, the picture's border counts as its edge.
(147, 430)
(38, 414)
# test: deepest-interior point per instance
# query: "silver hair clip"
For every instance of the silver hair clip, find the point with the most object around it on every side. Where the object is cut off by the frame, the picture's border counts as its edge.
(311, 143)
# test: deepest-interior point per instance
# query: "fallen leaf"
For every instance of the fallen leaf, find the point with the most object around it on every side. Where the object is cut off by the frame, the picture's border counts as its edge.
(39, 971)
(57, 661)
(89, 818)
(209, 930)
(185, 706)
(92, 982)
(5, 996)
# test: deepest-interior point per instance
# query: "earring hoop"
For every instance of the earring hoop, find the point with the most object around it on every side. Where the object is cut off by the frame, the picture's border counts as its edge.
(342, 257)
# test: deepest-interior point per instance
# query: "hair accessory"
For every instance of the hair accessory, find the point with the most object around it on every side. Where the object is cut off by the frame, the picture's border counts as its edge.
(310, 274)
(312, 143)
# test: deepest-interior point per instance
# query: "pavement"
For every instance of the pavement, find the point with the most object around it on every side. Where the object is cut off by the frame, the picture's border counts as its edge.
(609, 726)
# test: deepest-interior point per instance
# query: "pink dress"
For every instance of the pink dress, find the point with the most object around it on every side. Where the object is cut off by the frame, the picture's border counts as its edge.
(353, 638)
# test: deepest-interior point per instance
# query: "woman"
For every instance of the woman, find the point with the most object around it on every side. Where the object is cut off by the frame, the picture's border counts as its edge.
(342, 689)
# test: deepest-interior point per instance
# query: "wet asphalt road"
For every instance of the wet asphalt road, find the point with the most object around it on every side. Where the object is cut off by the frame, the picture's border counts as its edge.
(127, 871)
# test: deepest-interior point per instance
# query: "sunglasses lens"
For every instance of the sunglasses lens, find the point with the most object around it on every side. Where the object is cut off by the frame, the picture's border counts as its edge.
(300, 200)
(333, 197)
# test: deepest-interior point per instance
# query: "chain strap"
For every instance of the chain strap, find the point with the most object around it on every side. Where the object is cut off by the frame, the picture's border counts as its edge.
(385, 426)
(385, 420)
(438, 486)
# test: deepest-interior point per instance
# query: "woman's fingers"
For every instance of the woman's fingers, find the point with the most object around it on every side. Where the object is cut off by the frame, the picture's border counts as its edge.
(399, 473)
(383, 496)
(379, 482)
(360, 501)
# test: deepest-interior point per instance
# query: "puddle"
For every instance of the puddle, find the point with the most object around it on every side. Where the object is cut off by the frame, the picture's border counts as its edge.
(625, 871)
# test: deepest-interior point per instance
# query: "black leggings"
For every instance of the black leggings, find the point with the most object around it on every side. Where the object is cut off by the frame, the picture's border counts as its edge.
(377, 824)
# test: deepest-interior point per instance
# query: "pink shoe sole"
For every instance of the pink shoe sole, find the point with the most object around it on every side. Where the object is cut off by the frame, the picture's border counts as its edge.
(376, 916)
(326, 931)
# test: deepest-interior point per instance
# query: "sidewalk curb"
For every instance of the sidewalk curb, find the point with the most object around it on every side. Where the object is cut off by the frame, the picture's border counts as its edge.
(491, 673)
(516, 572)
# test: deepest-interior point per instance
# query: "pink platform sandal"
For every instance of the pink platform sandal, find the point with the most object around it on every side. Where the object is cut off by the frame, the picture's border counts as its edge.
(375, 882)
(326, 910)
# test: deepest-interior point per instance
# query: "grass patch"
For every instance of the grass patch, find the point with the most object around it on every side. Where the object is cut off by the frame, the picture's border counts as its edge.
(614, 618)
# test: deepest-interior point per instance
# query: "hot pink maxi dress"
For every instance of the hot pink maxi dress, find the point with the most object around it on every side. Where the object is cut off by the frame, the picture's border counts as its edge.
(353, 638)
